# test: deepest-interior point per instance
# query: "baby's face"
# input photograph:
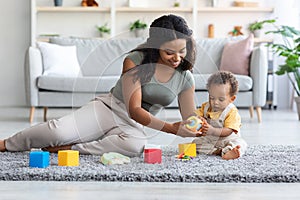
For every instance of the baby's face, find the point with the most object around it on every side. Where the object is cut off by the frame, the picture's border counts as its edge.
(219, 96)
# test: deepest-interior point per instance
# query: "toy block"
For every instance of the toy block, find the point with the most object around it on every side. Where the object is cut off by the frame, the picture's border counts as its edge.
(152, 154)
(39, 159)
(188, 149)
(68, 158)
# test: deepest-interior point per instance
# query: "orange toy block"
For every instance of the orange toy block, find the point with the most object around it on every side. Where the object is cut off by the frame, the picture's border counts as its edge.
(188, 149)
(68, 158)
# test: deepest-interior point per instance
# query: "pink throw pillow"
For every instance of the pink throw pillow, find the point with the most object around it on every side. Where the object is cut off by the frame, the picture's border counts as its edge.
(236, 56)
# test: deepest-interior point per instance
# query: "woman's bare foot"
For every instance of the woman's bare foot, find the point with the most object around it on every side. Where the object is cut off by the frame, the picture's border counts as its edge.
(2, 146)
(232, 154)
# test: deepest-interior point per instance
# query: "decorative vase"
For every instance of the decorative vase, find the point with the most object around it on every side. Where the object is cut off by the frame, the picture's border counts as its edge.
(58, 2)
(297, 100)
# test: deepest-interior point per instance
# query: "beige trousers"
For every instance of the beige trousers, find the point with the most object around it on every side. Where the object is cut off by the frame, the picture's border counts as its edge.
(101, 126)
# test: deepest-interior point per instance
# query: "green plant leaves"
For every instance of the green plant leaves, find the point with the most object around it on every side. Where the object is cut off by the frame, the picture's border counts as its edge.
(138, 24)
(259, 24)
(290, 49)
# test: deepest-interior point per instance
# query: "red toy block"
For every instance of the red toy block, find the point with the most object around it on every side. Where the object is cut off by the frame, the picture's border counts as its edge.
(152, 156)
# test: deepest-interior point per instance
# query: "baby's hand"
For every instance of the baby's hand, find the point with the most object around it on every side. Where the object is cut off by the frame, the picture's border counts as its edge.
(205, 127)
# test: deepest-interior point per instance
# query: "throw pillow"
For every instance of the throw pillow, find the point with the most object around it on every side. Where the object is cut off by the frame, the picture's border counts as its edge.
(236, 56)
(59, 60)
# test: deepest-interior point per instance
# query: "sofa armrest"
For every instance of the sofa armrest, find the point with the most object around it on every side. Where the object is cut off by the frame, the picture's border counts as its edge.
(33, 69)
(259, 74)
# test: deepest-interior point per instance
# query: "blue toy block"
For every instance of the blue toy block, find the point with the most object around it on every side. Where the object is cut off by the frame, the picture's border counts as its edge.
(40, 159)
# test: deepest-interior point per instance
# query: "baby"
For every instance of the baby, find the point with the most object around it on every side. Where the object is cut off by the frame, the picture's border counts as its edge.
(221, 130)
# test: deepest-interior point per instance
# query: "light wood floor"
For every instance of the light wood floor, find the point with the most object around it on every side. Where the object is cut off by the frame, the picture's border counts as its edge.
(278, 127)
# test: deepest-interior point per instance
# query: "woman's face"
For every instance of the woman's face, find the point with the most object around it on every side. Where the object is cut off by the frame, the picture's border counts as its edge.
(172, 53)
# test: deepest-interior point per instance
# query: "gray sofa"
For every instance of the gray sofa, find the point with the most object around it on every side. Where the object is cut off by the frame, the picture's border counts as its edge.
(101, 65)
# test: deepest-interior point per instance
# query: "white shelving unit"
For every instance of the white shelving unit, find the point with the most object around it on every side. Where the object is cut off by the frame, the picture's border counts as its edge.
(115, 12)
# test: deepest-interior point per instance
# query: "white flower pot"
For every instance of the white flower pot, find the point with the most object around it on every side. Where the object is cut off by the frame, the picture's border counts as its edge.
(139, 32)
(257, 33)
(104, 35)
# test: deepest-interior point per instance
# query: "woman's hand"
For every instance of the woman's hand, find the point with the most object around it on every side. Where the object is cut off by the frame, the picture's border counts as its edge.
(182, 131)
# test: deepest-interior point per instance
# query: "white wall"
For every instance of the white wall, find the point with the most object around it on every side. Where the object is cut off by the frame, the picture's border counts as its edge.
(15, 38)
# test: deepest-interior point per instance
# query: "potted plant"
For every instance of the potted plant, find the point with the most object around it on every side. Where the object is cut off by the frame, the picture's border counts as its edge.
(256, 27)
(138, 26)
(104, 30)
(290, 50)
(176, 3)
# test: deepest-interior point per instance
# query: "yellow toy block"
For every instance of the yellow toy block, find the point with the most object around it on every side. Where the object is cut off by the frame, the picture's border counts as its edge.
(68, 158)
(188, 149)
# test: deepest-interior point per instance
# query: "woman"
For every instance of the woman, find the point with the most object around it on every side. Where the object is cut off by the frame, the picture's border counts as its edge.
(153, 75)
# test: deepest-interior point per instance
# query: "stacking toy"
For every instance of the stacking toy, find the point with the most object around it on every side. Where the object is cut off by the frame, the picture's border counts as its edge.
(195, 124)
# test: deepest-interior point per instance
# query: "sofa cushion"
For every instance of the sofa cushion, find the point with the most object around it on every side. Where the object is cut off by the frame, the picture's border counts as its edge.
(92, 84)
(100, 57)
(59, 60)
(245, 82)
(208, 55)
(236, 56)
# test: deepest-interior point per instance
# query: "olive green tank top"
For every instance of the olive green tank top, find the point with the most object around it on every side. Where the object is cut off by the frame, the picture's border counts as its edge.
(156, 95)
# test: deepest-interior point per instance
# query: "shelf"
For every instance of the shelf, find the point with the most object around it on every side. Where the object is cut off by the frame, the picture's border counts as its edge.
(117, 13)
(72, 9)
(263, 40)
(235, 9)
(154, 9)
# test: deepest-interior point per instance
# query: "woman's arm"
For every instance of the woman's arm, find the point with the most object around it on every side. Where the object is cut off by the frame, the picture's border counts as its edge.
(132, 94)
(187, 102)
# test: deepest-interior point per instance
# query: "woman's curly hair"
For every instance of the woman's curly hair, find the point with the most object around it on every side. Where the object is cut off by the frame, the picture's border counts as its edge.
(164, 29)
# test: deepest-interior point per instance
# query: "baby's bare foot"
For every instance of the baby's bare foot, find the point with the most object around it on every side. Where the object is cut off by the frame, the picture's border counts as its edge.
(232, 154)
(2, 146)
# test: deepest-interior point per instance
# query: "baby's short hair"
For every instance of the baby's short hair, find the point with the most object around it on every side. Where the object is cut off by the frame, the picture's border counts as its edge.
(224, 77)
